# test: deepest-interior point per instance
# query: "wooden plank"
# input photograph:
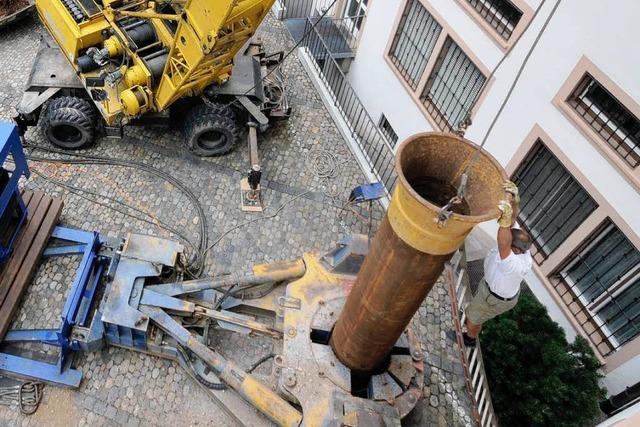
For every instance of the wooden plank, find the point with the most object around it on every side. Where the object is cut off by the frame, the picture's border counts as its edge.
(29, 265)
(31, 203)
(23, 245)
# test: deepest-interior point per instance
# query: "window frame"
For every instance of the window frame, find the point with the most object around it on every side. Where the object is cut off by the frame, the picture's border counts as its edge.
(504, 45)
(353, 23)
(538, 253)
(446, 32)
(576, 241)
(600, 302)
(583, 67)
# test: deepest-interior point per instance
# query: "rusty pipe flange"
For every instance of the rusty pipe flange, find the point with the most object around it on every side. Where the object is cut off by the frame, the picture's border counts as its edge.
(399, 385)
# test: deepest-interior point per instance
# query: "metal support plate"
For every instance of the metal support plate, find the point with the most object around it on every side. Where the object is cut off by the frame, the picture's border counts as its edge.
(51, 69)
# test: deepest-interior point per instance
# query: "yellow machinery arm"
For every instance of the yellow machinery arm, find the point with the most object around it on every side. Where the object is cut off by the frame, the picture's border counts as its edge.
(150, 53)
(209, 35)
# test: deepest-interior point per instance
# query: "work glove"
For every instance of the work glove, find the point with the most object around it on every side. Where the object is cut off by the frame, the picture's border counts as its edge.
(511, 187)
(506, 218)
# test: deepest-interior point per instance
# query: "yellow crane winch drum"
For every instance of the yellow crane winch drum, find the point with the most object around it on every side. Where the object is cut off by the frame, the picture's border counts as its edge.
(410, 250)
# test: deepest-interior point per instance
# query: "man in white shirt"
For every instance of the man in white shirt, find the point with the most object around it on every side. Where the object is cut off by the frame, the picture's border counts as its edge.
(504, 269)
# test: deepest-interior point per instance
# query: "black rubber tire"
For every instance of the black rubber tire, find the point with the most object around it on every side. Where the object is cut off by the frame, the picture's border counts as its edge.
(211, 131)
(69, 123)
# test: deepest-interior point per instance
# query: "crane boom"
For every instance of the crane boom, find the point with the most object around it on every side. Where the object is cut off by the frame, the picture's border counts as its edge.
(138, 56)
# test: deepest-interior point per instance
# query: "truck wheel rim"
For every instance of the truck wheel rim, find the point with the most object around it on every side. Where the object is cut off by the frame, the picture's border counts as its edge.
(212, 140)
(66, 133)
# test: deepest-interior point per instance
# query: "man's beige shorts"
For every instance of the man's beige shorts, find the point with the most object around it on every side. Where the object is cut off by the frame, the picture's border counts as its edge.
(485, 306)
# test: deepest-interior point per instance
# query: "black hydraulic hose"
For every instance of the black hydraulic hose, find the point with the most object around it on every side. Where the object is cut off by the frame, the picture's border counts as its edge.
(198, 263)
(208, 384)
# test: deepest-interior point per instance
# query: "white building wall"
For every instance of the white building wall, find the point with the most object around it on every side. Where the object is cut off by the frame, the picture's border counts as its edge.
(377, 86)
(605, 32)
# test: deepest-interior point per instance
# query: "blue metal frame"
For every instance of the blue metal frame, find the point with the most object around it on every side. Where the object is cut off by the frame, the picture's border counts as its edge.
(10, 145)
(367, 192)
(75, 313)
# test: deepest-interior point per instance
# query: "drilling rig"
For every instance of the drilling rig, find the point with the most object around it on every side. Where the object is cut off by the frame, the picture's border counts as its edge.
(168, 62)
(346, 353)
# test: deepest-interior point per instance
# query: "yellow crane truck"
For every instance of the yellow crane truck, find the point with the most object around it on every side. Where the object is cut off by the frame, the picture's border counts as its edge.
(191, 63)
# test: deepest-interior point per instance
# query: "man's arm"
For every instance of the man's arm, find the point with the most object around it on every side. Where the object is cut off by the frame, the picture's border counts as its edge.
(509, 210)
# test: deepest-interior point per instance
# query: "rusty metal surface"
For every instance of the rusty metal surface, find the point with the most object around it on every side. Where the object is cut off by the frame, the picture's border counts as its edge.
(445, 156)
(312, 376)
(410, 250)
(394, 280)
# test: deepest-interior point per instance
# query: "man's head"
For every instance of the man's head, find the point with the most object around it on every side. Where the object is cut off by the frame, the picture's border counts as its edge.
(520, 241)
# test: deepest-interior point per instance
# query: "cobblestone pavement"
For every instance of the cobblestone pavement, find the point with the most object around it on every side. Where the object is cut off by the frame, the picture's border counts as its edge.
(124, 388)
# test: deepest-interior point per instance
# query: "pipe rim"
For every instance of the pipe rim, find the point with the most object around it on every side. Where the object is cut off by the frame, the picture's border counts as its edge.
(405, 183)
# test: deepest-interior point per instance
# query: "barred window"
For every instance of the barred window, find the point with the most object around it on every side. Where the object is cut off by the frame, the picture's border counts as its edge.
(453, 87)
(501, 15)
(414, 41)
(388, 131)
(553, 204)
(603, 112)
(605, 277)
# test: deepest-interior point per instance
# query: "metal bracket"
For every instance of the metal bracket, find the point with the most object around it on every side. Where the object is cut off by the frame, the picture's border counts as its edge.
(288, 302)
(75, 313)
(255, 112)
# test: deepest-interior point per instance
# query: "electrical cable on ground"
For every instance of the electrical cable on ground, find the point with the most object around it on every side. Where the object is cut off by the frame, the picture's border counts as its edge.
(105, 160)
(26, 395)
(262, 218)
(78, 192)
(197, 264)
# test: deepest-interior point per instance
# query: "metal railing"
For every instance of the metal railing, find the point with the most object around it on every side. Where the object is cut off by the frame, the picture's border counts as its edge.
(303, 9)
(338, 34)
(363, 129)
(457, 278)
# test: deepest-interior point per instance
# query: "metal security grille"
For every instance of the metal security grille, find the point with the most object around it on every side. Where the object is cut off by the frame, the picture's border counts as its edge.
(388, 131)
(303, 9)
(414, 41)
(617, 126)
(553, 204)
(601, 284)
(452, 88)
(501, 15)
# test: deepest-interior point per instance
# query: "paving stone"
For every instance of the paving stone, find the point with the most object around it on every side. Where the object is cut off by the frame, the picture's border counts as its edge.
(433, 400)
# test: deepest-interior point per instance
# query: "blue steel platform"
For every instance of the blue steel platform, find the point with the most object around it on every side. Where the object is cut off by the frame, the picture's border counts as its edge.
(75, 313)
(13, 212)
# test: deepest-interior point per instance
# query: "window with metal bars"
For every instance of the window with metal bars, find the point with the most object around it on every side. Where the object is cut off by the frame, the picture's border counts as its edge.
(414, 41)
(387, 130)
(501, 15)
(604, 280)
(552, 203)
(453, 87)
(603, 112)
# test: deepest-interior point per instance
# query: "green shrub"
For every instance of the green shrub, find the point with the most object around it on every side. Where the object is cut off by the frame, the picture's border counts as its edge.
(535, 377)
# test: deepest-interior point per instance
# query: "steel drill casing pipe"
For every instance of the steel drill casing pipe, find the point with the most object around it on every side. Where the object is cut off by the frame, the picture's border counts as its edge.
(410, 250)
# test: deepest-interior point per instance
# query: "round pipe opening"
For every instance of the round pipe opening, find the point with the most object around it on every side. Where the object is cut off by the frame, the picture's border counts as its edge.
(430, 167)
